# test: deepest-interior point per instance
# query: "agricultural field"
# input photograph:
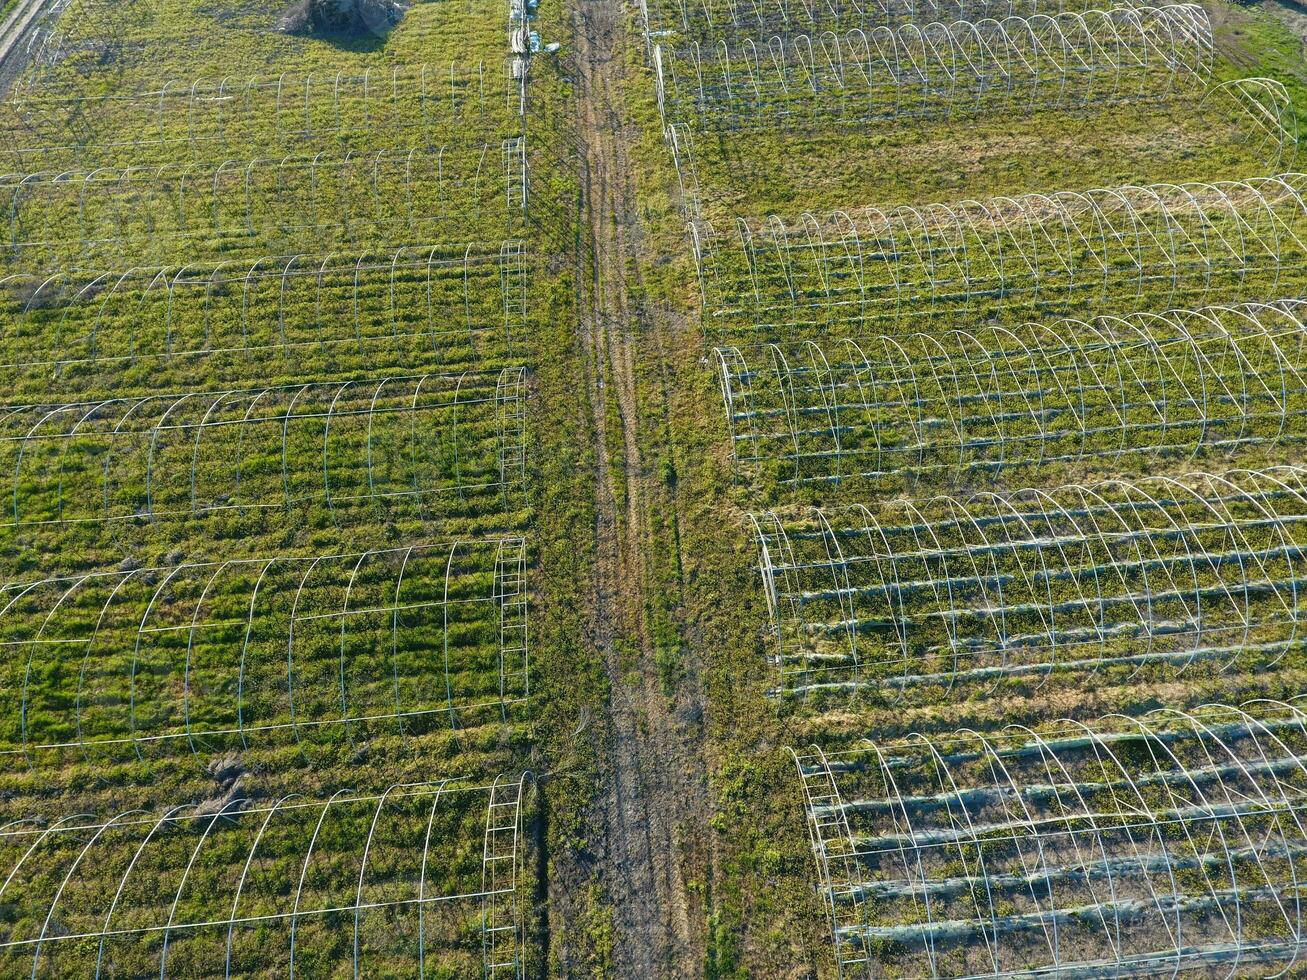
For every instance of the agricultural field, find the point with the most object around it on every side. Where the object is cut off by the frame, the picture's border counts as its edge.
(724, 488)
(271, 511)
(997, 306)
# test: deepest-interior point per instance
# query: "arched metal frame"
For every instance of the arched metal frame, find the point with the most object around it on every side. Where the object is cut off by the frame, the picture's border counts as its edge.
(965, 68)
(93, 32)
(214, 119)
(426, 446)
(1254, 114)
(894, 410)
(1154, 246)
(451, 306)
(1172, 844)
(713, 20)
(207, 657)
(405, 194)
(351, 883)
(1160, 575)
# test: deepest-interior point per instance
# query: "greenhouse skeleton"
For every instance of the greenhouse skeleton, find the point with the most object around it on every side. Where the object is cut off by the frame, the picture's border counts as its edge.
(1016, 64)
(1128, 847)
(281, 647)
(196, 901)
(898, 409)
(425, 437)
(920, 596)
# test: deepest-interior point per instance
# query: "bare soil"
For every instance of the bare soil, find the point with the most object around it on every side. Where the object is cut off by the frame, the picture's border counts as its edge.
(653, 807)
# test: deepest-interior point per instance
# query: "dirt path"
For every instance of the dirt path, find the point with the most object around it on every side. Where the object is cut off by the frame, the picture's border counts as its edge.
(15, 33)
(654, 797)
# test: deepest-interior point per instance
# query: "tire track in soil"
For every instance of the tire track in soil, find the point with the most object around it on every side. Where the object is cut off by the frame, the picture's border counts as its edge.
(653, 804)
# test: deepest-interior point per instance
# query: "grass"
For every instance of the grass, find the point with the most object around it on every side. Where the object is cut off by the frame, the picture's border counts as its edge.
(372, 267)
(169, 297)
(766, 920)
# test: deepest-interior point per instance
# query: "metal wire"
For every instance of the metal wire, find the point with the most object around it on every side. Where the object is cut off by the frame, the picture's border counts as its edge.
(213, 656)
(1163, 574)
(962, 68)
(893, 411)
(1153, 247)
(1173, 844)
(355, 884)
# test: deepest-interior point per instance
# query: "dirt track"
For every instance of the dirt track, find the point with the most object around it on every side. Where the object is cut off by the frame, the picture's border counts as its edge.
(15, 30)
(653, 805)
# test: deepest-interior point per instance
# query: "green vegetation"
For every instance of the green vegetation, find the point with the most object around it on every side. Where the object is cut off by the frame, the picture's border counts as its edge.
(834, 268)
(274, 444)
(327, 421)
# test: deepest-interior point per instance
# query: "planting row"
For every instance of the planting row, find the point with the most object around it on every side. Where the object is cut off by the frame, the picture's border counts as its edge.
(963, 68)
(890, 410)
(207, 657)
(428, 446)
(1169, 845)
(200, 119)
(445, 307)
(428, 877)
(1138, 247)
(453, 192)
(1162, 575)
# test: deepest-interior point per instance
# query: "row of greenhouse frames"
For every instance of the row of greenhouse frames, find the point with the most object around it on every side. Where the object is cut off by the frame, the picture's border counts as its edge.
(1016, 65)
(404, 192)
(892, 363)
(712, 20)
(288, 310)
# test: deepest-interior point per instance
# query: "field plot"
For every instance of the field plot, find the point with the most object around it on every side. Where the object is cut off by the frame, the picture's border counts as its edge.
(960, 69)
(424, 446)
(268, 372)
(426, 877)
(209, 656)
(983, 286)
(451, 192)
(1131, 248)
(891, 412)
(1171, 843)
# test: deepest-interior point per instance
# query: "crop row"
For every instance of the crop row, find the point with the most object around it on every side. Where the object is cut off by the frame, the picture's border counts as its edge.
(454, 192)
(1142, 247)
(963, 68)
(892, 410)
(427, 877)
(1193, 574)
(1168, 844)
(207, 657)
